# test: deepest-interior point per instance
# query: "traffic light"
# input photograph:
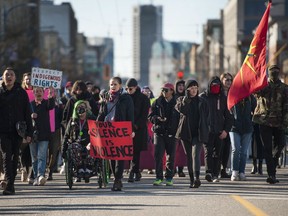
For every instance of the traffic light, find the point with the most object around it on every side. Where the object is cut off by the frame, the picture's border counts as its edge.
(180, 75)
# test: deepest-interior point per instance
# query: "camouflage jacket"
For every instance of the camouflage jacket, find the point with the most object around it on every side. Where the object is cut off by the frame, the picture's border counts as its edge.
(272, 105)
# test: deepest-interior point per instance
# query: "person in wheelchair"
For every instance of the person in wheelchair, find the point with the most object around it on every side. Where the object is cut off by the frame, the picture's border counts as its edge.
(77, 133)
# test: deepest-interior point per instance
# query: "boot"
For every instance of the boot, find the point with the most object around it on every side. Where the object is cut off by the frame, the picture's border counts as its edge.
(260, 171)
(138, 176)
(191, 180)
(254, 168)
(131, 177)
(224, 174)
(117, 186)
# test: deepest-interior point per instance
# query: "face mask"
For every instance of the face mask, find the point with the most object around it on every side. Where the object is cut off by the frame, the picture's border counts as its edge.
(274, 74)
(215, 89)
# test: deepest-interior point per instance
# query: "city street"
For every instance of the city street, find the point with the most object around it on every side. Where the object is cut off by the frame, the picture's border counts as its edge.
(252, 197)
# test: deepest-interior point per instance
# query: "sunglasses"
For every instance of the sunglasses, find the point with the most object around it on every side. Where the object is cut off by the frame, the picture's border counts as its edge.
(130, 89)
(165, 90)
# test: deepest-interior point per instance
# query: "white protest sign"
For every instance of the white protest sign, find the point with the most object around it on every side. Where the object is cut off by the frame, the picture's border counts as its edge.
(45, 78)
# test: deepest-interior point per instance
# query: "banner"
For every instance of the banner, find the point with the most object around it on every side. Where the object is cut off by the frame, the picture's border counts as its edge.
(45, 78)
(111, 140)
(252, 75)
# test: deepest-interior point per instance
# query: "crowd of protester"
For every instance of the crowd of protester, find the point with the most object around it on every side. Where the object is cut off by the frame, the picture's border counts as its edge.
(169, 131)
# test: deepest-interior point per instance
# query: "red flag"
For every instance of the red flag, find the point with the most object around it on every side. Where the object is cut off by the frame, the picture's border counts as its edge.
(252, 74)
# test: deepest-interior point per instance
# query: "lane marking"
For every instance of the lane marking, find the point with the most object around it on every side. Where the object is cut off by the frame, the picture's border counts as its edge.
(249, 206)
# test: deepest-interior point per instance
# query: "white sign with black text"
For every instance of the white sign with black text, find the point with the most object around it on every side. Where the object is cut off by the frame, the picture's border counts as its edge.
(45, 78)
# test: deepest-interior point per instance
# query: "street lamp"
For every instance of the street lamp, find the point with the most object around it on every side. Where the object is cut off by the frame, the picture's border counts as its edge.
(7, 11)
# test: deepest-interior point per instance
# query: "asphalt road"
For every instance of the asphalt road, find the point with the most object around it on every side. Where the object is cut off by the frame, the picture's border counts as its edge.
(251, 197)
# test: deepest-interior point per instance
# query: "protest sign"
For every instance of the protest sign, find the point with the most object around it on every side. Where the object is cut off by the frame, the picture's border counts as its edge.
(111, 140)
(45, 78)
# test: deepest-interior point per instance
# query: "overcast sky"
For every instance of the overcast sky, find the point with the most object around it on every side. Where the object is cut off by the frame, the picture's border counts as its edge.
(182, 21)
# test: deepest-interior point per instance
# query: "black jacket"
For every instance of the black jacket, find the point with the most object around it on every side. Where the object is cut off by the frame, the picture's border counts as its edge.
(14, 107)
(169, 127)
(219, 116)
(42, 121)
(124, 109)
(141, 109)
(184, 131)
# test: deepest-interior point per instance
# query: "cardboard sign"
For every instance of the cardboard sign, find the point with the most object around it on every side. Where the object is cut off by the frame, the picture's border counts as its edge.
(45, 78)
(111, 140)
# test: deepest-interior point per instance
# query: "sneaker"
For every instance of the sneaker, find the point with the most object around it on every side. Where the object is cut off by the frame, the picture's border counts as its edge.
(24, 176)
(158, 182)
(215, 179)
(242, 177)
(197, 183)
(42, 181)
(138, 176)
(35, 183)
(117, 186)
(150, 172)
(208, 177)
(169, 182)
(235, 176)
(62, 170)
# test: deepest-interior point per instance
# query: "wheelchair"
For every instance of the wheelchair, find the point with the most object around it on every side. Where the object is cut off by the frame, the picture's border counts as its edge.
(75, 159)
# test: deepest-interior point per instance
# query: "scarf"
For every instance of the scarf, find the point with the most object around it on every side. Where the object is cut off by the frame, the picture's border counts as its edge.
(113, 95)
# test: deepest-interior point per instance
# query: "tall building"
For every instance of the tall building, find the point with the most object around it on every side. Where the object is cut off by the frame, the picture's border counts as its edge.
(147, 28)
(61, 19)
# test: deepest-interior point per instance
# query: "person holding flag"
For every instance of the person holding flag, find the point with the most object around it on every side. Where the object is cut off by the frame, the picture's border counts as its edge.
(271, 114)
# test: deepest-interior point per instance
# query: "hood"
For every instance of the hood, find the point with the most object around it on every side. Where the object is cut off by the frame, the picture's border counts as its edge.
(176, 90)
(214, 79)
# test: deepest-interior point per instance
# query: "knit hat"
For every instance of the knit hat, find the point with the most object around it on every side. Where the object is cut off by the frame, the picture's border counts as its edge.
(131, 82)
(273, 67)
(168, 86)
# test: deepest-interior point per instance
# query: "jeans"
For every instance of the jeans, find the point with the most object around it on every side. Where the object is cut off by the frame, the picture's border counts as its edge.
(39, 156)
(162, 144)
(240, 144)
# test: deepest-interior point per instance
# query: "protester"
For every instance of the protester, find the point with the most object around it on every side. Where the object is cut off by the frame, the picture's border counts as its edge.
(220, 123)
(165, 122)
(241, 135)
(77, 131)
(54, 145)
(193, 128)
(42, 132)
(117, 106)
(141, 109)
(257, 151)
(14, 108)
(147, 157)
(67, 93)
(25, 156)
(271, 114)
(89, 86)
(226, 80)
(79, 92)
(180, 154)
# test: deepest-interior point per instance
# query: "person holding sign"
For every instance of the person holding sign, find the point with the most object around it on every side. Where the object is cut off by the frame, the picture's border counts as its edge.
(77, 131)
(165, 120)
(42, 132)
(117, 106)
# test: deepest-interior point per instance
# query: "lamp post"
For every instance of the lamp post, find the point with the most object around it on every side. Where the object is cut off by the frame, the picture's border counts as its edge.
(7, 11)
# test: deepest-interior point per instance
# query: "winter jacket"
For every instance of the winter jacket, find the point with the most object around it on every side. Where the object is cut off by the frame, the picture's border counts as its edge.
(124, 109)
(242, 113)
(272, 105)
(42, 121)
(168, 127)
(141, 109)
(14, 107)
(219, 116)
(184, 127)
